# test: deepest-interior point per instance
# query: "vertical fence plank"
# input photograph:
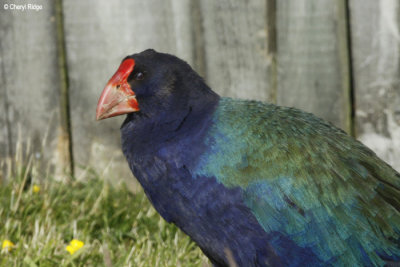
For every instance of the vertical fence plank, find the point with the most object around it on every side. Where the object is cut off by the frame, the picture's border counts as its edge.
(29, 82)
(65, 136)
(96, 44)
(313, 66)
(5, 134)
(375, 27)
(236, 56)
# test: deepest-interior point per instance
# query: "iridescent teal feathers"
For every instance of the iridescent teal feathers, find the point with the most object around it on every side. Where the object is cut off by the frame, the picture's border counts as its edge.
(306, 179)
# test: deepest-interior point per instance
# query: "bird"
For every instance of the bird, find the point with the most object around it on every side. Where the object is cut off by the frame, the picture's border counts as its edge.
(251, 183)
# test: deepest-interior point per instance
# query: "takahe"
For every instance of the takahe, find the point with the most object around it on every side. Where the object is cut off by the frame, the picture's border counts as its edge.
(252, 183)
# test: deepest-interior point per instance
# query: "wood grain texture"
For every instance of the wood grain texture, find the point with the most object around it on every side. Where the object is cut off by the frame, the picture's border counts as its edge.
(29, 82)
(313, 67)
(295, 53)
(236, 55)
(375, 28)
(96, 44)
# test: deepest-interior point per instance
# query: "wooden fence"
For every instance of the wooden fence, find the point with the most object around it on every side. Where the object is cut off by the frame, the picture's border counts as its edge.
(339, 59)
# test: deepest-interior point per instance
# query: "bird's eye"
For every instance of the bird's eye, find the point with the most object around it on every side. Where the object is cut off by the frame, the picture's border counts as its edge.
(138, 76)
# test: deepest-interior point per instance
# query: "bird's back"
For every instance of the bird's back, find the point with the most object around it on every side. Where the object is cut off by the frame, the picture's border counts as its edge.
(307, 180)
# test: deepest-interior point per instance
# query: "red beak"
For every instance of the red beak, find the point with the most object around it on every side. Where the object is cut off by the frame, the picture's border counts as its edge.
(117, 97)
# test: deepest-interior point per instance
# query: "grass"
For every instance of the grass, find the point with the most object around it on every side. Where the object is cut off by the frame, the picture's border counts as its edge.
(118, 227)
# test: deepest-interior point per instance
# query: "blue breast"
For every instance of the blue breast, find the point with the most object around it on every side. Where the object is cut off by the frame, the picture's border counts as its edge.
(214, 216)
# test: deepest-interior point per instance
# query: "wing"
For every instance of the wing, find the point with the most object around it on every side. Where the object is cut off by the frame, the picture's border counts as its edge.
(308, 180)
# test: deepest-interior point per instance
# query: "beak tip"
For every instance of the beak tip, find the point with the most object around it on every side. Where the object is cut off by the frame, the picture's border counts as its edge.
(99, 117)
(99, 113)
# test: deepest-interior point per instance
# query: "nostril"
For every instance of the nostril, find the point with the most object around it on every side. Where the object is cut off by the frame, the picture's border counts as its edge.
(118, 86)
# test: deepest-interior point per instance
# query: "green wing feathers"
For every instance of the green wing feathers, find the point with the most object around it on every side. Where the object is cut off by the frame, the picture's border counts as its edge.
(307, 179)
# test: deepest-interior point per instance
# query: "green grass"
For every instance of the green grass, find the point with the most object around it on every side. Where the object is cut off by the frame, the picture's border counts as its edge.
(118, 227)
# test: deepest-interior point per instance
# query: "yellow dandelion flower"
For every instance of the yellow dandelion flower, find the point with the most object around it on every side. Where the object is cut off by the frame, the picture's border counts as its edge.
(7, 245)
(74, 246)
(36, 189)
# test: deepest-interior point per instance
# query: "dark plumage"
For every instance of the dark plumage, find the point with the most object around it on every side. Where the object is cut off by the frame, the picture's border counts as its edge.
(270, 185)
